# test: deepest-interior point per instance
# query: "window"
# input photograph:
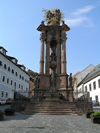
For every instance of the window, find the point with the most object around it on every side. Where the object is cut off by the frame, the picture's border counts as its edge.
(16, 73)
(20, 76)
(15, 85)
(96, 98)
(90, 87)
(3, 79)
(11, 82)
(0, 63)
(8, 68)
(85, 88)
(13, 71)
(26, 89)
(19, 85)
(6, 95)
(7, 80)
(94, 85)
(22, 87)
(5, 66)
(2, 93)
(99, 83)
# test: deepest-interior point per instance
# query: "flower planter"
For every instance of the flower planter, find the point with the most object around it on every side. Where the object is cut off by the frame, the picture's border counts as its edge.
(95, 118)
(88, 114)
(1, 115)
(9, 113)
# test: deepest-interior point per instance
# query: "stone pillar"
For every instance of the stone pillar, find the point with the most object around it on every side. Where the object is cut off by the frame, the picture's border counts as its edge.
(51, 69)
(42, 38)
(63, 51)
(58, 58)
(47, 63)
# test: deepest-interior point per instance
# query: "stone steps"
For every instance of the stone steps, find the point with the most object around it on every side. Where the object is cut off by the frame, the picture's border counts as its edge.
(51, 108)
(50, 112)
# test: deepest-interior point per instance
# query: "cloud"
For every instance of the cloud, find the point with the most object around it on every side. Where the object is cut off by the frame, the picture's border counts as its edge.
(79, 17)
(83, 10)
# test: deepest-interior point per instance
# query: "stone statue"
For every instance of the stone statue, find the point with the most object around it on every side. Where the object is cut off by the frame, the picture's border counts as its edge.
(53, 57)
(36, 81)
(53, 61)
(70, 80)
(53, 80)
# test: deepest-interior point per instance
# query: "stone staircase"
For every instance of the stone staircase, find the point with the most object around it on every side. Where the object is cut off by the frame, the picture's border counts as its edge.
(53, 107)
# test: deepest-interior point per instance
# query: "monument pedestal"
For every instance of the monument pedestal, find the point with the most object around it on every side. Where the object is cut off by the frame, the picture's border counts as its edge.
(52, 97)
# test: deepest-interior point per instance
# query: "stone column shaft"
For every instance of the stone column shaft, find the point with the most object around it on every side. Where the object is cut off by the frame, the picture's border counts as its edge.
(64, 56)
(47, 63)
(58, 58)
(42, 57)
(51, 69)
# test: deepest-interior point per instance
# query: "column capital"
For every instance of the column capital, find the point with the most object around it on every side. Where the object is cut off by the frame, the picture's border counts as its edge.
(63, 36)
(42, 61)
(64, 61)
(42, 36)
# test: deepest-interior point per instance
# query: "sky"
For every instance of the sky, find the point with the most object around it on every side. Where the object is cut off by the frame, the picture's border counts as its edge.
(19, 20)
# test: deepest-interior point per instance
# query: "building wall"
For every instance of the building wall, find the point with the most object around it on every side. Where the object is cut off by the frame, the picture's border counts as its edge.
(22, 83)
(93, 92)
(31, 87)
(78, 78)
(80, 90)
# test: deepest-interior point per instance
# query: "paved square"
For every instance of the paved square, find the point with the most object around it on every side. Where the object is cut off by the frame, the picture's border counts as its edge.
(48, 124)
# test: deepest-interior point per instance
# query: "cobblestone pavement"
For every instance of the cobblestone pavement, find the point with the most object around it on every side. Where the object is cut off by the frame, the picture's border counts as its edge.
(48, 124)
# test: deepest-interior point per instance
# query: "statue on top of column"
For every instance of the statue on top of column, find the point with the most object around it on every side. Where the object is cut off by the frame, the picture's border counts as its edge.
(70, 80)
(53, 16)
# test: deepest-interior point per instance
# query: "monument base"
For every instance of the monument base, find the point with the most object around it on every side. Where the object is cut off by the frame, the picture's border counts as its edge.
(52, 107)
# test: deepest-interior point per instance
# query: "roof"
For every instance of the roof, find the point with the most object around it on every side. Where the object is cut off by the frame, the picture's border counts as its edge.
(75, 75)
(83, 73)
(31, 73)
(11, 57)
(7, 57)
(3, 48)
(94, 73)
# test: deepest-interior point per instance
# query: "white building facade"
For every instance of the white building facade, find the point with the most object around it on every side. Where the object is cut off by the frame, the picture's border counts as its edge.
(78, 88)
(91, 85)
(13, 77)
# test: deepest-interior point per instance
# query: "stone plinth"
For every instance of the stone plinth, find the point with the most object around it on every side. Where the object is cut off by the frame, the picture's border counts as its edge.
(44, 81)
(62, 81)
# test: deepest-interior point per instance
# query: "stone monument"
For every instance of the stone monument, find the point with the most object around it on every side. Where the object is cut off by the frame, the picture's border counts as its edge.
(53, 91)
(53, 76)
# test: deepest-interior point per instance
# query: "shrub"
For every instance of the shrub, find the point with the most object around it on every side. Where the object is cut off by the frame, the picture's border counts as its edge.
(1, 115)
(89, 110)
(10, 109)
(96, 113)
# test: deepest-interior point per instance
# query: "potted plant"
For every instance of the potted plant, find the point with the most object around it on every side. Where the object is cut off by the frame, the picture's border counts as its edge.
(88, 113)
(9, 111)
(95, 117)
(1, 115)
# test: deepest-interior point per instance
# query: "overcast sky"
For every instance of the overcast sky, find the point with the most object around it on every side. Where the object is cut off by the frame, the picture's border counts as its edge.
(19, 20)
